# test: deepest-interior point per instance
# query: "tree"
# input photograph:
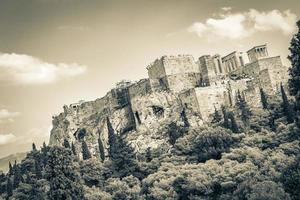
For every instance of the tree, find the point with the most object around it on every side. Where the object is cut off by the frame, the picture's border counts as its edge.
(263, 99)
(62, 174)
(33, 147)
(111, 136)
(10, 169)
(294, 81)
(101, 149)
(217, 117)
(244, 108)
(38, 169)
(73, 149)
(9, 188)
(225, 116)
(291, 179)
(86, 154)
(286, 106)
(233, 124)
(66, 143)
(17, 176)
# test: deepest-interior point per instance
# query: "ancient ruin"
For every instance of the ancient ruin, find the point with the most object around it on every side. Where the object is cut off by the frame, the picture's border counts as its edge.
(176, 84)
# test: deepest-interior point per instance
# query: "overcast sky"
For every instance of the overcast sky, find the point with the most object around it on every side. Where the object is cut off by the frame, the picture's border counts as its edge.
(56, 52)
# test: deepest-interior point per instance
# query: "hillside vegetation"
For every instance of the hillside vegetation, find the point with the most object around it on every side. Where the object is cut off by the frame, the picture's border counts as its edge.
(244, 153)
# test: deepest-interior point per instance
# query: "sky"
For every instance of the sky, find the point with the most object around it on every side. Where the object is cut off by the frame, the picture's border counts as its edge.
(57, 52)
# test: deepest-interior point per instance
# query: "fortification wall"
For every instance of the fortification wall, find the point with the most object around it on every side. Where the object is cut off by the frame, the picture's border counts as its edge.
(277, 72)
(141, 88)
(209, 98)
(181, 82)
(180, 64)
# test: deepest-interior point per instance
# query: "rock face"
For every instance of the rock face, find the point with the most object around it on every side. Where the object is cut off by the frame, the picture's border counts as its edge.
(179, 91)
(141, 122)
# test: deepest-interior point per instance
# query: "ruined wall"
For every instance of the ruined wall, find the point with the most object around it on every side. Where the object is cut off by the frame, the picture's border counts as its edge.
(140, 88)
(181, 82)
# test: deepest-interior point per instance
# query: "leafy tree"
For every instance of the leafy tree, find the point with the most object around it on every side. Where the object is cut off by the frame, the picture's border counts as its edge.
(217, 117)
(287, 108)
(62, 175)
(66, 143)
(174, 132)
(244, 108)
(291, 179)
(263, 99)
(86, 154)
(101, 149)
(211, 143)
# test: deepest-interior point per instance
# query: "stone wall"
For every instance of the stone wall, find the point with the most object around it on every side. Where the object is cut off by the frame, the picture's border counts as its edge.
(209, 98)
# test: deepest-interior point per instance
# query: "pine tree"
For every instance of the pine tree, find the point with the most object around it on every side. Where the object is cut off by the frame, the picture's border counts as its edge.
(73, 149)
(9, 188)
(33, 147)
(66, 144)
(225, 116)
(17, 176)
(86, 154)
(217, 117)
(101, 149)
(286, 106)
(294, 81)
(263, 99)
(233, 124)
(244, 108)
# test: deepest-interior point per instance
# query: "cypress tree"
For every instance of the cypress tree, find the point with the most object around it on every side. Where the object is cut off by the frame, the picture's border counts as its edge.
(217, 116)
(101, 149)
(226, 119)
(286, 106)
(73, 149)
(85, 151)
(263, 99)
(244, 108)
(17, 176)
(10, 170)
(33, 147)
(66, 144)
(294, 81)
(233, 125)
(37, 169)
(111, 137)
(9, 188)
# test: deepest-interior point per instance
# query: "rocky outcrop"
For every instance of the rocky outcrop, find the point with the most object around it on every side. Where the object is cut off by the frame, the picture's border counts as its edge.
(143, 122)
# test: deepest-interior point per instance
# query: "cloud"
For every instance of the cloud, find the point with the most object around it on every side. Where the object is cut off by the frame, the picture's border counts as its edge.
(273, 20)
(7, 116)
(243, 24)
(6, 138)
(25, 69)
(226, 8)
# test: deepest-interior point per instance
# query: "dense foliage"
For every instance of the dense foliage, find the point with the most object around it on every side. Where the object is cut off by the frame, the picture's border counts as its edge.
(248, 154)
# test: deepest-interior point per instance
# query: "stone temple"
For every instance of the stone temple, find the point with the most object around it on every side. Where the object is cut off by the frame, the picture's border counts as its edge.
(175, 84)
